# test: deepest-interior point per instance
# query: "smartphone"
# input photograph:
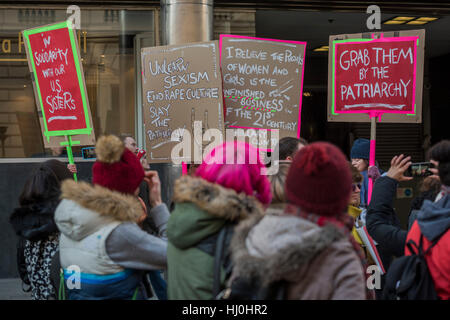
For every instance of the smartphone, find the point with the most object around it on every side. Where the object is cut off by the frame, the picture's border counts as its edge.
(419, 169)
(88, 153)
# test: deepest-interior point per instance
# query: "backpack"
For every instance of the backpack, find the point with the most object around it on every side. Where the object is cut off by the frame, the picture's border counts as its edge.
(217, 247)
(408, 277)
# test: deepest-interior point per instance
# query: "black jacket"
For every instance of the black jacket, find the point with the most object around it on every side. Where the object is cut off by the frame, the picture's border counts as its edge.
(382, 222)
(35, 222)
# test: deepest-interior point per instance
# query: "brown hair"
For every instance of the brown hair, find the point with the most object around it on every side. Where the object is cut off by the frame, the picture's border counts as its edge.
(430, 184)
(356, 175)
(277, 182)
(287, 146)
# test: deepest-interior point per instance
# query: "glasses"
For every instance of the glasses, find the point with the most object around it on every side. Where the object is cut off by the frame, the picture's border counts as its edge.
(356, 185)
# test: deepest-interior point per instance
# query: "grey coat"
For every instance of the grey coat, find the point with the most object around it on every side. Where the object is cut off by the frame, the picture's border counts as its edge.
(319, 263)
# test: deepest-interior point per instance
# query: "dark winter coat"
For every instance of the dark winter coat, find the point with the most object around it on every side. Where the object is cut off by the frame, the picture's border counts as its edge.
(36, 221)
(38, 242)
(417, 203)
(382, 222)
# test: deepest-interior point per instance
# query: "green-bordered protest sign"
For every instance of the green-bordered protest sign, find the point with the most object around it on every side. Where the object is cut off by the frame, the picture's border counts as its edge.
(58, 81)
(379, 72)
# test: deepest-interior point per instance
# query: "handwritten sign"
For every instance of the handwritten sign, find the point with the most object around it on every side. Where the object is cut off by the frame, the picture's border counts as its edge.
(58, 79)
(263, 82)
(375, 75)
(181, 84)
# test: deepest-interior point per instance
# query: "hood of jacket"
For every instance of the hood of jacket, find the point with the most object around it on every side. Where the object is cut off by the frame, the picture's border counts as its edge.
(434, 217)
(85, 208)
(275, 247)
(202, 209)
(36, 221)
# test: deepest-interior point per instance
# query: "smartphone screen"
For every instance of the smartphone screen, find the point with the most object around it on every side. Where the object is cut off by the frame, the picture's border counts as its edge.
(419, 169)
(88, 153)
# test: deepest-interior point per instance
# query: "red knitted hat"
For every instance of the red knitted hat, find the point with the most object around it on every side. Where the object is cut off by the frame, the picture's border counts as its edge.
(116, 168)
(319, 180)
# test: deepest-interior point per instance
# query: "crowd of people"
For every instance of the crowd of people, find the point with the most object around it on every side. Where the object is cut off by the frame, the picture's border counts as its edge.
(232, 232)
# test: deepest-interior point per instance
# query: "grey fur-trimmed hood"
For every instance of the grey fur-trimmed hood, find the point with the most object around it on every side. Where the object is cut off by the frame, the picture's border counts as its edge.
(273, 247)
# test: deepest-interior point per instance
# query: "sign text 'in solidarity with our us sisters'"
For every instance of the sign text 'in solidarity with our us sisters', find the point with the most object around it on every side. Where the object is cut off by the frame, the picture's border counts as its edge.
(374, 75)
(58, 79)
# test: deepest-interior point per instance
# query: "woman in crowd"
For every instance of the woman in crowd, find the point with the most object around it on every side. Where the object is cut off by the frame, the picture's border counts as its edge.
(34, 223)
(355, 200)
(360, 160)
(100, 236)
(224, 190)
(429, 189)
(277, 182)
(433, 225)
(309, 247)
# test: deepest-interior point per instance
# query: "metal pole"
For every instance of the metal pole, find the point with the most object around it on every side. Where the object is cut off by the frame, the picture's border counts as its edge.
(182, 21)
(185, 21)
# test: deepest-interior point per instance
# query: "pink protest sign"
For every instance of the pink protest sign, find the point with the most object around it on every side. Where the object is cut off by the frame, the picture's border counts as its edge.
(262, 84)
(374, 75)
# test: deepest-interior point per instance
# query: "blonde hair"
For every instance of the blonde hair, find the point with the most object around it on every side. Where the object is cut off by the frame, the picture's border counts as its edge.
(277, 184)
(357, 177)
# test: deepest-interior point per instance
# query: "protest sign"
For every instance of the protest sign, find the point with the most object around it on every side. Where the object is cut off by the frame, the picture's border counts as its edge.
(263, 83)
(376, 76)
(58, 79)
(371, 74)
(58, 82)
(181, 84)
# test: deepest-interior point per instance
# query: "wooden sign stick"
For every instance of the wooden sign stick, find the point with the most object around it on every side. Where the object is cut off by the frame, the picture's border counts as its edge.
(373, 135)
(68, 143)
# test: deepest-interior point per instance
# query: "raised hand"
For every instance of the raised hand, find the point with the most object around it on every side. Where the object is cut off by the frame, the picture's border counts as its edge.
(399, 164)
(154, 187)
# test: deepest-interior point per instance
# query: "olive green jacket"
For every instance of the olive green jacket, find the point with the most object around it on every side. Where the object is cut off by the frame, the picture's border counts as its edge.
(201, 210)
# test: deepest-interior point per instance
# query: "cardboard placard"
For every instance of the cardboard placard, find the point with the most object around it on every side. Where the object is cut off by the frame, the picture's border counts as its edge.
(376, 72)
(58, 81)
(181, 84)
(374, 75)
(263, 83)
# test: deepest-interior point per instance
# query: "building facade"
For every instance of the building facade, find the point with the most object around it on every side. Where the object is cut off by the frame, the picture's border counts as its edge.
(112, 33)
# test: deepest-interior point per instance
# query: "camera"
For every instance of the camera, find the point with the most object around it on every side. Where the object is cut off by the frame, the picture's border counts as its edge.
(419, 169)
